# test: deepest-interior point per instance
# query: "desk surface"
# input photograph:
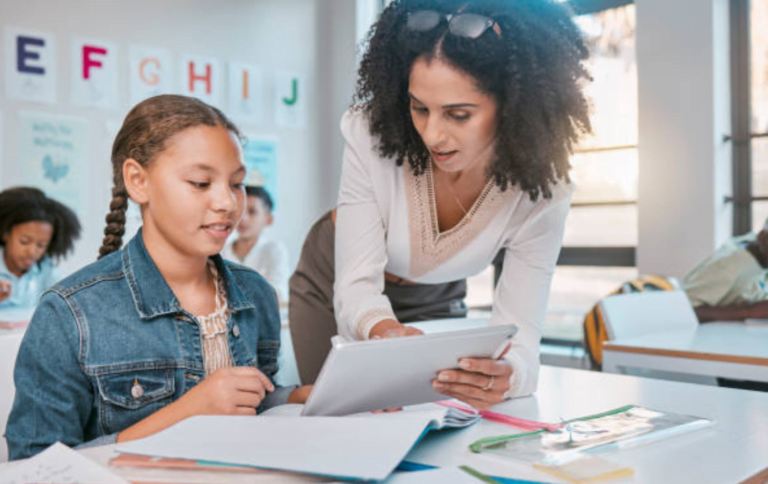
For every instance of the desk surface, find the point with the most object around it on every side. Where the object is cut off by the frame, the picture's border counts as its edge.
(729, 342)
(728, 452)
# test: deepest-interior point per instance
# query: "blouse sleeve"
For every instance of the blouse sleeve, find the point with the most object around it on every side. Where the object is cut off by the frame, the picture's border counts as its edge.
(523, 289)
(361, 253)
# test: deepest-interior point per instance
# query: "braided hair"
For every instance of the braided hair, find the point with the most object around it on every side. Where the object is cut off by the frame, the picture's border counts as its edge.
(143, 136)
(531, 64)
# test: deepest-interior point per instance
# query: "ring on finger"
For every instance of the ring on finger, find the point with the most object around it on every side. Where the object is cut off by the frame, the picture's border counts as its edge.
(490, 384)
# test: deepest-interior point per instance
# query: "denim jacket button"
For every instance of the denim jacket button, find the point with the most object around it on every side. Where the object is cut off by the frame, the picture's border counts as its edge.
(137, 390)
(235, 331)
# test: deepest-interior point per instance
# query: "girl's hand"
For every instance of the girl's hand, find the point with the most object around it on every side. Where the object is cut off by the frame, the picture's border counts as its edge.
(481, 382)
(229, 391)
(5, 290)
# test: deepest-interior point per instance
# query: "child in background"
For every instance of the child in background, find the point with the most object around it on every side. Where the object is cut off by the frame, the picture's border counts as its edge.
(34, 230)
(164, 328)
(253, 249)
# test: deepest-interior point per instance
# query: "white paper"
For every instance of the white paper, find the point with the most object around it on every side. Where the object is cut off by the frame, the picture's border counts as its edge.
(33, 76)
(350, 448)
(53, 154)
(58, 464)
(290, 100)
(437, 416)
(446, 475)
(246, 93)
(201, 77)
(151, 73)
(94, 73)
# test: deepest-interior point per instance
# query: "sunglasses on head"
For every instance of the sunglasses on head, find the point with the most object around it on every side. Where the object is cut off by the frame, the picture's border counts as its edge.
(468, 25)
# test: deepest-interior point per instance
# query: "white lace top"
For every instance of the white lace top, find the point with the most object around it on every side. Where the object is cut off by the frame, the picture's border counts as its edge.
(213, 328)
(387, 221)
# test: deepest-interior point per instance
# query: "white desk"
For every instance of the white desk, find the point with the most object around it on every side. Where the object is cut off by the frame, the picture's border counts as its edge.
(729, 452)
(729, 350)
(10, 340)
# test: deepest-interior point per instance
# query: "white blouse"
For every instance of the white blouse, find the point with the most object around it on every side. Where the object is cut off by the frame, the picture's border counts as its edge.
(387, 221)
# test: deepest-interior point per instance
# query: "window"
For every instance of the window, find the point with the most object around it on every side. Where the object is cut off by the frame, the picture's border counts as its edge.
(601, 231)
(749, 80)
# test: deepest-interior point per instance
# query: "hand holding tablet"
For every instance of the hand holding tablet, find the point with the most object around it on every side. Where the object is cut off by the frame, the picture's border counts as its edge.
(360, 376)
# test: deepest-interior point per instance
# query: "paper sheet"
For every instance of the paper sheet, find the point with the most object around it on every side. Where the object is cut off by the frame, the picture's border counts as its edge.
(446, 475)
(58, 464)
(351, 448)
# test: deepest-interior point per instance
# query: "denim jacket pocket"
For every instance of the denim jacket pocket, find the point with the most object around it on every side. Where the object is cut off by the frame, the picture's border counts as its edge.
(127, 397)
(266, 353)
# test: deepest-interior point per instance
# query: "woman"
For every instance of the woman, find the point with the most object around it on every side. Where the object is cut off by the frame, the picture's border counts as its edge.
(458, 149)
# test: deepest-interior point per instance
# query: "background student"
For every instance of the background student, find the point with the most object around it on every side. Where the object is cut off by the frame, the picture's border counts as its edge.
(164, 328)
(253, 248)
(34, 231)
(730, 284)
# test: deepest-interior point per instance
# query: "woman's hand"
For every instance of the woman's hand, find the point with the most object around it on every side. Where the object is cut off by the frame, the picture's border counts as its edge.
(481, 382)
(5, 290)
(229, 391)
(390, 328)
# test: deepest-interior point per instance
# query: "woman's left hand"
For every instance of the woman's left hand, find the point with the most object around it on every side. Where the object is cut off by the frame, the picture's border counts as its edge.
(481, 382)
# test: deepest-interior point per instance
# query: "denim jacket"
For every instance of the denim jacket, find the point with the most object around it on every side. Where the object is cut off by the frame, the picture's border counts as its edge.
(115, 326)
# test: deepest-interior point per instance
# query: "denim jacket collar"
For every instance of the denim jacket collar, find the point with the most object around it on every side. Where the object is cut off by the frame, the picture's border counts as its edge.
(153, 297)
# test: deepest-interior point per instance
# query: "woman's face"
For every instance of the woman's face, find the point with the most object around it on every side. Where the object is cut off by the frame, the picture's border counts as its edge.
(25, 245)
(455, 120)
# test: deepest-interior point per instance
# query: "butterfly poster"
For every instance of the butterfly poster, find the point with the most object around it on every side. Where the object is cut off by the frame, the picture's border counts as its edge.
(53, 156)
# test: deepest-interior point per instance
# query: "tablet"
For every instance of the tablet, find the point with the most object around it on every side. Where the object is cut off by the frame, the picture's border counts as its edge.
(360, 376)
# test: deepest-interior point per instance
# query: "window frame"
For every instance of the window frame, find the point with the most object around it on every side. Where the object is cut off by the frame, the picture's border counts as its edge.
(597, 256)
(741, 113)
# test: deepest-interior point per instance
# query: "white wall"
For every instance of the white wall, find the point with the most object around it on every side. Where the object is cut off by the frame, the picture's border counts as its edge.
(684, 111)
(315, 37)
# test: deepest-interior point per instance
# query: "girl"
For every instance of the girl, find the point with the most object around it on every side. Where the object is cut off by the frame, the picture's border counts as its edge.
(34, 230)
(163, 328)
(458, 149)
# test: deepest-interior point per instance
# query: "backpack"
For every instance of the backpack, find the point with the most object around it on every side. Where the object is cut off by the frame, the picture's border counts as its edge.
(594, 325)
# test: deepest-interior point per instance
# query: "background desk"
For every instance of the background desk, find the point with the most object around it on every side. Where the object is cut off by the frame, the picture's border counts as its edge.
(10, 340)
(727, 453)
(729, 350)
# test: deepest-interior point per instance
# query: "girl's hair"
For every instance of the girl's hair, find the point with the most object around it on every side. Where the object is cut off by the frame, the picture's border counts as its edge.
(531, 64)
(20, 205)
(143, 136)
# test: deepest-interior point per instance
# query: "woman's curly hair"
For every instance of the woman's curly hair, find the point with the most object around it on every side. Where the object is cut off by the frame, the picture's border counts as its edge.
(533, 69)
(19, 205)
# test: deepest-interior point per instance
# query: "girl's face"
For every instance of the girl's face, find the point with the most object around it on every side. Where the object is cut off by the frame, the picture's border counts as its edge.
(192, 194)
(256, 218)
(25, 245)
(455, 120)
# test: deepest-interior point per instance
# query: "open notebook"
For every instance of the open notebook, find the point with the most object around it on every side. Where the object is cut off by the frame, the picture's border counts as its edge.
(358, 447)
(439, 416)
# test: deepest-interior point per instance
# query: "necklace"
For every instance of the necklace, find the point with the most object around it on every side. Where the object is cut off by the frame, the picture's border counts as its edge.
(458, 202)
